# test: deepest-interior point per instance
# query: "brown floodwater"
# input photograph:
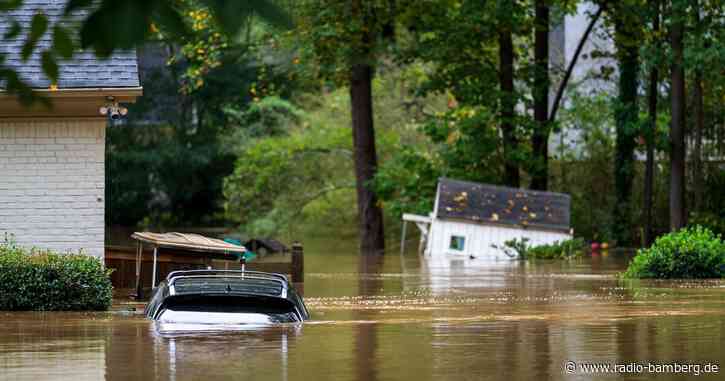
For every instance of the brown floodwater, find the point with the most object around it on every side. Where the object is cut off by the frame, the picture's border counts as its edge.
(404, 318)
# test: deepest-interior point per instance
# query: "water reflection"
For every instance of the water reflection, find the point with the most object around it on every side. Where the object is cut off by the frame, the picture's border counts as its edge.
(379, 318)
(195, 355)
(366, 340)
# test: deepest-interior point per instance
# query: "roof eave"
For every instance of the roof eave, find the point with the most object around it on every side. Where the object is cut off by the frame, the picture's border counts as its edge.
(67, 102)
(122, 94)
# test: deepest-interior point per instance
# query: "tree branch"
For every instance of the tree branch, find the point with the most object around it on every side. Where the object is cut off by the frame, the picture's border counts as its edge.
(570, 68)
(307, 199)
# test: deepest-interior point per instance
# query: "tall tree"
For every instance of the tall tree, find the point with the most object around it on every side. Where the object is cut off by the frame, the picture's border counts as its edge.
(626, 38)
(677, 111)
(507, 105)
(540, 137)
(346, 39)
(459, 43)
(697, 167)
(372, 239)
(651, 131)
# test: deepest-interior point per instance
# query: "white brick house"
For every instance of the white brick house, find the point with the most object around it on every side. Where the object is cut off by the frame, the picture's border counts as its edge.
(52, 160)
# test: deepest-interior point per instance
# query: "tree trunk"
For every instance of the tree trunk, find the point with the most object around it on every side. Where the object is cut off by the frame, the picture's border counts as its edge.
(677, 126)
(540, 137)
(627, 124)
(650, 136)
(370, 215)
(697, 170)
(506, 83)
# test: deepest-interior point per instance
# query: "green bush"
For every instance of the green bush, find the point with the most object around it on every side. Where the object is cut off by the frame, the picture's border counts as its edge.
(46, 281)
(694, 252)
(571, 248)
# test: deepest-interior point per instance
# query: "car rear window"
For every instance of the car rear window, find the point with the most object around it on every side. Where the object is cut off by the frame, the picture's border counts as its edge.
(237, 310)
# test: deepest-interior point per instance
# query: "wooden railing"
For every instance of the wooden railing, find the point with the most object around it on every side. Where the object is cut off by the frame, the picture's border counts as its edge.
(122, 259)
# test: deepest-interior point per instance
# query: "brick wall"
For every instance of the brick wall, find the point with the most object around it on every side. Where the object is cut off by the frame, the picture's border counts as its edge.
(52, 183)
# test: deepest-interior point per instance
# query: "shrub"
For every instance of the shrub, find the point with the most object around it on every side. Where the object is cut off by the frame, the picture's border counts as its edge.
(571, 248)
(42, 280)
(694, 252)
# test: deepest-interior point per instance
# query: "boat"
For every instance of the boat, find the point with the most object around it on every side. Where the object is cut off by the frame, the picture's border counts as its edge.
(225, 297)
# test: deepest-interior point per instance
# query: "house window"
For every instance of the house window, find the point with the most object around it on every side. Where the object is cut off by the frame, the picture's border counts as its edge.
(457, 243)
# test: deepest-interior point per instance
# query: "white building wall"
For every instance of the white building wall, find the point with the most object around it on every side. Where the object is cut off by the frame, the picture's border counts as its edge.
(479, 238)
(587, 69)
(52, 183)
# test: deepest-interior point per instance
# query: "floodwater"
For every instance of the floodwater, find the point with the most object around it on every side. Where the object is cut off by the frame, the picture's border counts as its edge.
(406, 318)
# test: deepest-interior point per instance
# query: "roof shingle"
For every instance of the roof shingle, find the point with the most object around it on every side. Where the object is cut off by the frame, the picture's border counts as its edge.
(84, 70)
(483, 203)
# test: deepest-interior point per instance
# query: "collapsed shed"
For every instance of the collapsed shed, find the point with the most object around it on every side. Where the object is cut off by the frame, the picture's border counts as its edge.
(473, 219)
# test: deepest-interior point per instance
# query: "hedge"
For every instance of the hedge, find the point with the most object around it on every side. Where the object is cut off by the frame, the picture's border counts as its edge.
(694, 252)
(41, 280)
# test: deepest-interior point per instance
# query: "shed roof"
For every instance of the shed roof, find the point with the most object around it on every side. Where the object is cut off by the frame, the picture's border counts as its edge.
(84, 70)
(491, 204)
(188, 241)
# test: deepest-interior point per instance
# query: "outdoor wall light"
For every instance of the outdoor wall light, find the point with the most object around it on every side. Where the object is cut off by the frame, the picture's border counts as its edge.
(113, 109)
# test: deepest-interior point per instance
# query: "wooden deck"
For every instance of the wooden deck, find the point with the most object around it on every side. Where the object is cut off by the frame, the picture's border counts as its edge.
(122, 260)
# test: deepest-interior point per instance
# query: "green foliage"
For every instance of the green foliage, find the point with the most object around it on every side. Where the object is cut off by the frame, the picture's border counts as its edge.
(333, 35)
(515, 248)
(626, 114)
(38, 26)
(211, 55)
(168, 175)
(520, 249)
(456, 44)
(277, 176)
(709, 220)
(166, 164)
(270, 116)
(694, 252)
(407, 183)
(165, 167)
(583, 166)
(460, 46)
(228, 13)
(296, 173)
(712, 215)
(463, 147)
(46, 281)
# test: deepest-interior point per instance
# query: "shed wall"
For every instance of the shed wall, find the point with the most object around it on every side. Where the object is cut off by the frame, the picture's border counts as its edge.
(479, 238)
(52, 183)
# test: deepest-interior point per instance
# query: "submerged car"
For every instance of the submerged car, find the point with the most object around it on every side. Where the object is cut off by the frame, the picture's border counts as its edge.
(226, 297)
